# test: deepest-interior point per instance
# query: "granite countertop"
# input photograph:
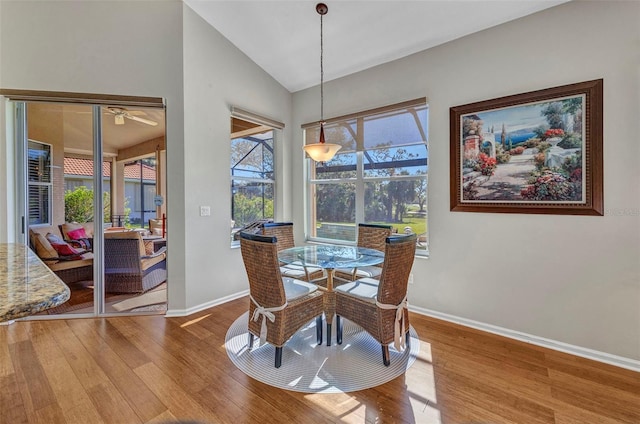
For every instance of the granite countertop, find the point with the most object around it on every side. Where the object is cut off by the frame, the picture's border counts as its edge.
(27, 285)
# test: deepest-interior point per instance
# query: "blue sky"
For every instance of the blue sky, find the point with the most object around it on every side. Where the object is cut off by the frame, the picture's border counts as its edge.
(515, 118)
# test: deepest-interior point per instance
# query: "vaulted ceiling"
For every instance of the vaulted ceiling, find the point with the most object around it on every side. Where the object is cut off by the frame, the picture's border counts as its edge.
(283, 37)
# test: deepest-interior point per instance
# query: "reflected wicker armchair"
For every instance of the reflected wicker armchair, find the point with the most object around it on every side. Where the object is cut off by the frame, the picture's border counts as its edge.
(278, 307)
(127, 267)
(283, 231)
(372, 236)
(380, 307)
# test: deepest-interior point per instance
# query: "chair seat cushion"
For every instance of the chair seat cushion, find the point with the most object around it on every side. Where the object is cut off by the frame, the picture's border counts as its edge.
(294, 289)
(85, 259)
(297, 271)
(365, 288)
(147, 263)
(370, 271)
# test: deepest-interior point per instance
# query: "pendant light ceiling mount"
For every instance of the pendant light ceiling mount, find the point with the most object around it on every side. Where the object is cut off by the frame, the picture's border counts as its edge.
(321, 151)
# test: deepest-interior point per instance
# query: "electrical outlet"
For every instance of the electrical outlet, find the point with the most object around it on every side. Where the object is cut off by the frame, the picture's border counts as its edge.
(411, 278)
(205, 210)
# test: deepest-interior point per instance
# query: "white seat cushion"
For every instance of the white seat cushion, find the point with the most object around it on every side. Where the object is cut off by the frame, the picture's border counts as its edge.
(294, 289)
(365, 288)
(365, 271)
(297, 271)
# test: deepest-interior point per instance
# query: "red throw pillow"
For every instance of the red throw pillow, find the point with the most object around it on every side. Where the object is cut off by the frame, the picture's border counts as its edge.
(64, 249)
(77, 234)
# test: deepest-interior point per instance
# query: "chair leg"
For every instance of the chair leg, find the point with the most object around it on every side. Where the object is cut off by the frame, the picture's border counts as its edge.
(328, 333)
(385, 355)
(250, 341)
(278, 356)
(319, 329)
(338, 329)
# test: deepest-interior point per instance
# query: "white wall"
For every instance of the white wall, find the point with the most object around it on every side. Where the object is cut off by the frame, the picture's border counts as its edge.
(216, 76)
(571, 279)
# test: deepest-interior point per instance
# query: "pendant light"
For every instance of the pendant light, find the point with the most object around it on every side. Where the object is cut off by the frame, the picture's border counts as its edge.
(321, 151)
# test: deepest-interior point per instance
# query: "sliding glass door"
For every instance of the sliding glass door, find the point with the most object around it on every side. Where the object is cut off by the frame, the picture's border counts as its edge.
(81, 218)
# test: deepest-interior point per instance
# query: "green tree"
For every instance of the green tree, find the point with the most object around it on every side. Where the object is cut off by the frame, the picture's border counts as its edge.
(78, 205)
(421, 192)
(251, 202)
(401, 192)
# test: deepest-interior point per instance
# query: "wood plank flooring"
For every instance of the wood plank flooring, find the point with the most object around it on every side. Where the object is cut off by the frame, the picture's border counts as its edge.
(151, 369)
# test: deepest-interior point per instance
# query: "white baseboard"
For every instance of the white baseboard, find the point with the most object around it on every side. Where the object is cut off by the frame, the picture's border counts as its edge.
(184, 312)
(607, 358)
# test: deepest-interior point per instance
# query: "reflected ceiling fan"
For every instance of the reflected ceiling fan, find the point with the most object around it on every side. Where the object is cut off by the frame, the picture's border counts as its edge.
(120, 113)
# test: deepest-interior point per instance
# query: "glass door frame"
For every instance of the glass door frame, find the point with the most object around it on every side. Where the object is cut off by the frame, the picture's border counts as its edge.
(16, 115)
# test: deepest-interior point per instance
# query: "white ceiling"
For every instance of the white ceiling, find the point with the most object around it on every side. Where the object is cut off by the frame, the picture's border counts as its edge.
(283, 37)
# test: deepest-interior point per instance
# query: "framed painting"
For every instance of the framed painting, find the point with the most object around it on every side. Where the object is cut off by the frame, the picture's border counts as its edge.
(538, 152)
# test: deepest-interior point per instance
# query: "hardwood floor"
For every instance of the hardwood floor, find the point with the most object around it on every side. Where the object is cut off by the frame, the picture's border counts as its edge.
(153, 369)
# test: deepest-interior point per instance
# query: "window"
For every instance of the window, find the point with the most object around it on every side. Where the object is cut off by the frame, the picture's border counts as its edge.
(379, 175)
(252, 171)
(40, 183)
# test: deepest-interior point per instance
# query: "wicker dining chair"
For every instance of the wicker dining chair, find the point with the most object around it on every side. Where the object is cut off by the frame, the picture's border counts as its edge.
(278, 306)
(283, 232)
(372, 236)
(380, 306)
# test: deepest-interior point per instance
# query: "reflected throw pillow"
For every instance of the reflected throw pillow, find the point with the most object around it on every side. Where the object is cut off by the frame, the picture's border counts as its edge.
(64, 249)
(78, 234)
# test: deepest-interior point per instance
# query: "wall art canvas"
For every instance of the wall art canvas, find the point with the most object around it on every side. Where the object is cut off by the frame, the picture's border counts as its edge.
(536, 152)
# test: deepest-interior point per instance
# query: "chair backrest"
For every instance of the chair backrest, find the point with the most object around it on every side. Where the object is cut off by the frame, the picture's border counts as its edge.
(398, 259)
(373, 236)
(283, 231)
(260, 256)
(136, 245)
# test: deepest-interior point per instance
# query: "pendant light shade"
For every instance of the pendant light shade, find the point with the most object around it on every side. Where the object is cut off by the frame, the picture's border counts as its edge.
(321, 151)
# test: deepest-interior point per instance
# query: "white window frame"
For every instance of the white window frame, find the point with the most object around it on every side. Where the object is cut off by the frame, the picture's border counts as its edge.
(48, 185)
(360, 180)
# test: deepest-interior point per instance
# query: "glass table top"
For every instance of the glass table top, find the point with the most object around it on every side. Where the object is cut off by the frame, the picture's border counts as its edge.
(331, 256)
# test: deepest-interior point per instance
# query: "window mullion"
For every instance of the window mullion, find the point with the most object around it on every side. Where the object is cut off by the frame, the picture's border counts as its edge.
(359, 170)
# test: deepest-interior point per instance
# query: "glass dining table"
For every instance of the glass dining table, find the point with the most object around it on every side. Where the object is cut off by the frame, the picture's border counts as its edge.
(330, 257)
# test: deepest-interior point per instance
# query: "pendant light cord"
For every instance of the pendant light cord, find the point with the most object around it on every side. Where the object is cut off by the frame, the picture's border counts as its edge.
(321, 74)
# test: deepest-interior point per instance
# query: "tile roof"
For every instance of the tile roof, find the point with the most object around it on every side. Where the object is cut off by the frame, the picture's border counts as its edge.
(84, 167)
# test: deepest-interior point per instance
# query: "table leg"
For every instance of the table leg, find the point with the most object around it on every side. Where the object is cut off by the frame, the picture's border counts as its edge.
(330, 309)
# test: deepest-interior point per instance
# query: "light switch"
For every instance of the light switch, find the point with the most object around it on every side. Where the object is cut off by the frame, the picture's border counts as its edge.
(205, 210)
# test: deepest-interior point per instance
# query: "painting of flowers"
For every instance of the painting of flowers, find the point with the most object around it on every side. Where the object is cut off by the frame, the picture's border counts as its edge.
(537, 152)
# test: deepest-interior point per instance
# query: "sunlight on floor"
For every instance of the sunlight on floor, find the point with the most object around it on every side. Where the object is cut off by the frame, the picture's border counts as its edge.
(419, 397)
(193, 321)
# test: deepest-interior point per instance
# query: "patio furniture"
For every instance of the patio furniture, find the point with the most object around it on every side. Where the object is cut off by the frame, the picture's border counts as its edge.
(127, 267)
(380, 306)
(283, 231)
(372, 236)
(278, 306)
(157, 227)
(69, 269)
(78, 235)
